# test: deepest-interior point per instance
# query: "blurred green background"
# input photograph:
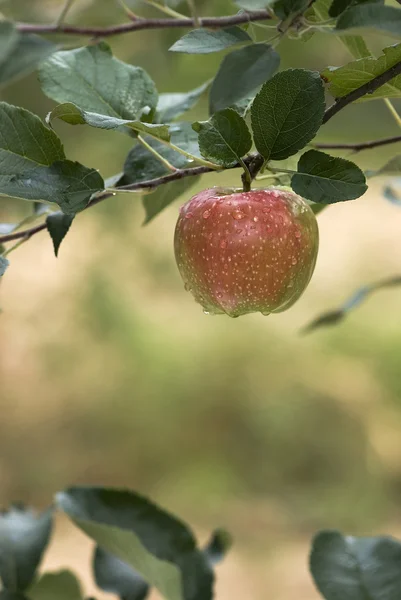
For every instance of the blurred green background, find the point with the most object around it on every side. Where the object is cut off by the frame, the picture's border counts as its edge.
(111, 374)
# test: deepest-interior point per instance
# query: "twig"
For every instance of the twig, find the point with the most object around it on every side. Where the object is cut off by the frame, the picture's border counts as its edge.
(367, 88)
(361, 145)
(140, 24)
(64, 11)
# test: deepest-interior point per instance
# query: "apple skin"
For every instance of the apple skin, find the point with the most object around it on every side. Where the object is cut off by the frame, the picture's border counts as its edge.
(244, 252)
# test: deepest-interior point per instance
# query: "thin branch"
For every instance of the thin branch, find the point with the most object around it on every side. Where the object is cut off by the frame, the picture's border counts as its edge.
(361, 145)
(141, 24)
(367, 88)
(64, 11)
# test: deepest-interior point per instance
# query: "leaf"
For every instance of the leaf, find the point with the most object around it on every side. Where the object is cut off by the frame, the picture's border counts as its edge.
(356, 45)
(372, 16)
(4, 263)
(327, 179)
(8, 39)
(164, 195)
(345, 79)
(29, 51)
(159, 546)
(58, 224)
(287, 8)
(94, 80)
(116, 577)
(206, 41)
(7, 595)
(354, 568)
(218, 546)
(225, 138)
(72, 114)
(171, 106)
(335, 316)
(23, 539)
(141, 165)
(68, 184)
(338, 6)
(287, 113)
(61, 585)
(241, 74)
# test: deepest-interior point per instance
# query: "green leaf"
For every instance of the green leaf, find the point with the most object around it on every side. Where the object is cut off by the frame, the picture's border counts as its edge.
(29, 51)
(68, 184)
(72, 114)
(225, 138)
(206, 41)
(141, 165)
(61, 585)
(171, 106)
(218, 546)
(58, 224)
(23, 539)
(287, 8)
(4, 263)
(116, 577)
(351, 76)
(287, 113)
(8, 39)
(98, 83)
(241, 74)
(356, 45)
(327, 179)
(157, 545)
(354, 568)
(164, 195)
(339, 6)
(371, 16)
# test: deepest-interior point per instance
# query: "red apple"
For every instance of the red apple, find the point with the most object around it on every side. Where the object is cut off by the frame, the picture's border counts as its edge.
(244, 252)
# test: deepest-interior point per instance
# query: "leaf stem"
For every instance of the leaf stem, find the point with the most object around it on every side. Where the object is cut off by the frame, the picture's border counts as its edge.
(15, 246)
(131, 15)
(393, 111)
(64, 11)
(165, 9)
(194, 12)
(155, 153)
(192, 158)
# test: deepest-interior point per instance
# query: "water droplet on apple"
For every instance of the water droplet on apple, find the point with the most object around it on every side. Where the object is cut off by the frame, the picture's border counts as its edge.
(188, 215)
(238, 215)
(206, 214)
(267, 209)
(256, 219)
(223, 244)
(297, 233)
(294, 261)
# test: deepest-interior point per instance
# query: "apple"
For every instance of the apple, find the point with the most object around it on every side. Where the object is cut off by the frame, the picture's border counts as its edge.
(243, 252)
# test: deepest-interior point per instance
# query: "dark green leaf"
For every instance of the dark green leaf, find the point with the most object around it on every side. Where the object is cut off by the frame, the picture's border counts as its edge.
(4, 263)
(351, 76)
(62, 585)
(171, 106)
(286, 8)
(58, 224)
(7, 595)
(225, 138)
(23, 539)
(241, 74)
(159, 546)
(72, 114)
(164, 195)
(354, 568)
(218, 546)
(287, 113)
(327, 179)
(68, 184)
(372, 16)
(98, 83)
(115, 576)
(206, 41)
(141, 165)
(338, 6)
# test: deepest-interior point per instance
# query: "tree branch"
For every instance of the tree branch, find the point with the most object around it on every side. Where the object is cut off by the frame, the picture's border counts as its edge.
(141, 24)
(361, 145)
(367, 88)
